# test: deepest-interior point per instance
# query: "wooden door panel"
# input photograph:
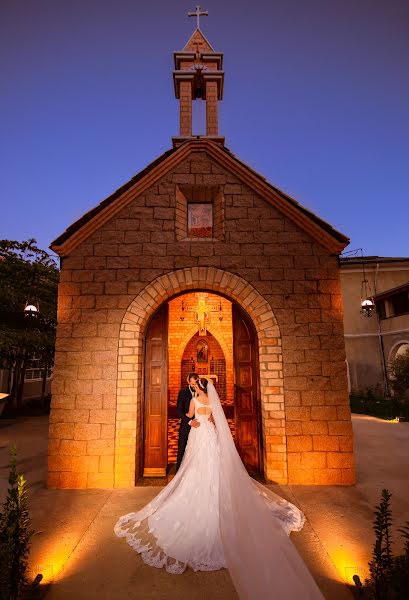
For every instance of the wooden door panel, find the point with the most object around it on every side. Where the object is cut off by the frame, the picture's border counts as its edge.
(245, 376)
(155, 430)
(246, 389)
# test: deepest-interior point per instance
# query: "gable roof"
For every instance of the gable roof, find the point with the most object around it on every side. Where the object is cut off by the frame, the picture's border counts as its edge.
(79, 231)
(198, 38)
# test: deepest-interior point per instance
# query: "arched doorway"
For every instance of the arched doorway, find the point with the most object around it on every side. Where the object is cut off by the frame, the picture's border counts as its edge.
(129, 424)
(236, 379)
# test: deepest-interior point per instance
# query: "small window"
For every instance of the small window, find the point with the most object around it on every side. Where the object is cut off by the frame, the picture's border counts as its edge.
(400, 304)
(200, 220)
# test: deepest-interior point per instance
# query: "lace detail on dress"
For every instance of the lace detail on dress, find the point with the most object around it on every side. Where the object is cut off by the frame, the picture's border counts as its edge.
(142, 539)
(289, 516)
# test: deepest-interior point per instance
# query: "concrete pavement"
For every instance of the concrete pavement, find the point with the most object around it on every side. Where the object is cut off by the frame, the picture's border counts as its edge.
(75, 545)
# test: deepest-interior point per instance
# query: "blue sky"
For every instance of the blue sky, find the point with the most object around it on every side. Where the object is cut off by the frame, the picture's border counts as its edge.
(316, 99)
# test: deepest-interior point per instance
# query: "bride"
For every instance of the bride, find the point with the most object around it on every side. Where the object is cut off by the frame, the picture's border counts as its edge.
(213, 515)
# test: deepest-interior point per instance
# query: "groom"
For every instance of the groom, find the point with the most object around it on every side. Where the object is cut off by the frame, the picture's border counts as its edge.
(182, 407)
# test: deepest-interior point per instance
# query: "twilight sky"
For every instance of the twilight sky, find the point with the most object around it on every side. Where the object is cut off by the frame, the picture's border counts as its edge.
(316, 99)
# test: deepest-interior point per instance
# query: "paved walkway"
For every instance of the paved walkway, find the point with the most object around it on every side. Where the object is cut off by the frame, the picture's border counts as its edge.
(76, 547)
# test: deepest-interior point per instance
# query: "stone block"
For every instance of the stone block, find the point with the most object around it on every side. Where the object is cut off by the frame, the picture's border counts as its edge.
(308, 315)
(301, 476)
(293, 428)
(323, 413)
(348, 476)
(100, 480)
(329, 286)
(346, 443)
(340, 460)
(293, 356)
(102, 416)
(292, 398)
(343, 413)
(87, 431)
(58, 415)
(337, 397)
(72, 480)
(53, 446)
(72, 448)
(322, 443)
(315, 428)
(294, 460)
(106, 464)
(299, 443)
(100, 447)
(327, 477)
(61, 431)
(309, 368)
(107, 431)
(340, 428)
(313, 460)
(297, 413)
(313, 398)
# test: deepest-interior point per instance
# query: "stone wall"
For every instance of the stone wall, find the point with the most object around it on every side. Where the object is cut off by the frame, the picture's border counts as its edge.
(112, 283)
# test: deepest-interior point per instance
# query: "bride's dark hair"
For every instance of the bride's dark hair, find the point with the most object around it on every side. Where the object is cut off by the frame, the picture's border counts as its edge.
(203, 384)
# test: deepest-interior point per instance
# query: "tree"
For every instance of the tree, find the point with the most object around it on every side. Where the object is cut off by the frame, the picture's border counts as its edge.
(27, 274)
(399, 374)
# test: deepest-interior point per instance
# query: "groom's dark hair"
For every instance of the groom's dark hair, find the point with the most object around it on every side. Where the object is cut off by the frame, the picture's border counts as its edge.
(193, 376)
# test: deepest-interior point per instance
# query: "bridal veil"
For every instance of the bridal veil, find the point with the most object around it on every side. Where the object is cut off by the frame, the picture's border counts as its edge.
(255, 524)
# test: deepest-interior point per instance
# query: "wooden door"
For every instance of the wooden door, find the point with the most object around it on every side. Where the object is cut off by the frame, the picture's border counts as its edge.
(156, 405)
(246, 405)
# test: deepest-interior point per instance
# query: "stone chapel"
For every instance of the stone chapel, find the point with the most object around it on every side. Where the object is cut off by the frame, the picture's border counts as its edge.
(199, 264)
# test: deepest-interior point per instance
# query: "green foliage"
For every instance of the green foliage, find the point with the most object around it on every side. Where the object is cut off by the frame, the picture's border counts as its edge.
(15, 535)
(381, 563)
(399, 374)
(377, 406)
(389, 575)
(27, 274)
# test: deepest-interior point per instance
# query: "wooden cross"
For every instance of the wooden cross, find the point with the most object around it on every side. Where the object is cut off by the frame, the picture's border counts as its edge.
(198, 13)
(202, 315)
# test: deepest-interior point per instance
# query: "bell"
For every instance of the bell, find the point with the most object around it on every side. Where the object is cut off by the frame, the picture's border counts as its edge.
(199, 92)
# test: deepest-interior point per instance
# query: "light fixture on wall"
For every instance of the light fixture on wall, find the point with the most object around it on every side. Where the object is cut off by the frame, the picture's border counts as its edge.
(220, 311)
(182, 314)
(367, 303)
(31, 310)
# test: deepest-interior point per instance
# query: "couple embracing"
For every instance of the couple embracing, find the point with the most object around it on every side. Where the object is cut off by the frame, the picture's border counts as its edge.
(213, 515)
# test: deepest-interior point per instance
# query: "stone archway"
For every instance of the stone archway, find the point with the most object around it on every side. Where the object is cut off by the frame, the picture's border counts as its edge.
(398, 348)
(130, 362)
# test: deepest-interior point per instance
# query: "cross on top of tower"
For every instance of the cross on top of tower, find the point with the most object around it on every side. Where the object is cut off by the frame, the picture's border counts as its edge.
(198, 13)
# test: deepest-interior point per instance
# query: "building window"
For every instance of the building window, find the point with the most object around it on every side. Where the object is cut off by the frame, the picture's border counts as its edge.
(199, 213)
(400, 304)
(200, 220)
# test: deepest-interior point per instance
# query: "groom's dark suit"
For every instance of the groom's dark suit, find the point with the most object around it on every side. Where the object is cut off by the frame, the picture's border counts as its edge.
(182, 408)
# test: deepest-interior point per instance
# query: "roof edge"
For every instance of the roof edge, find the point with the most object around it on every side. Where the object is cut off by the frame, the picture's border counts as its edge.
(81, 229)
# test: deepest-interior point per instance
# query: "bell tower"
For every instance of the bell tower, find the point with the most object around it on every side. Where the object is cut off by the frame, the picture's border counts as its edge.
(198, 75)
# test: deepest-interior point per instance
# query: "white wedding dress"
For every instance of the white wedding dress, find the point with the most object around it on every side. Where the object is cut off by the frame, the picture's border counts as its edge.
(214, 515)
